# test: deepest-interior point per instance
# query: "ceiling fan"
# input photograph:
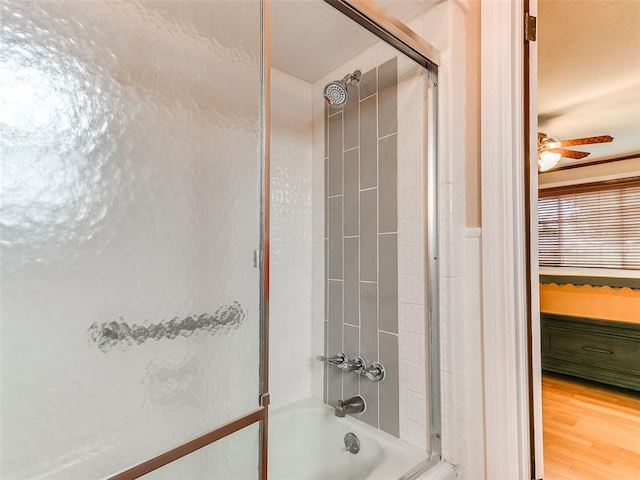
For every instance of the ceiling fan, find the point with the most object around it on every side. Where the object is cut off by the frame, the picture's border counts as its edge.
(550, 151)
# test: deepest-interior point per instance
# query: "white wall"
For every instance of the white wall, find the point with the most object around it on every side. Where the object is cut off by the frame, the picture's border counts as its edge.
(412, 216)
(469, 384)
(290, 359)
(460, 264)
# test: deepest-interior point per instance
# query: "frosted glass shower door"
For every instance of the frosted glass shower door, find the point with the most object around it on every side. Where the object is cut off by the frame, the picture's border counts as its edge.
(130, 146)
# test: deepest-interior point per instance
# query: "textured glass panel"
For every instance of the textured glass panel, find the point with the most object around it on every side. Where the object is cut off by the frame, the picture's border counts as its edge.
(130, 209)
(233, 458)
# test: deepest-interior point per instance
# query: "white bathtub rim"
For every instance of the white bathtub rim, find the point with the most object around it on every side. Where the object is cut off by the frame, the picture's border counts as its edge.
(437, 470)
(313, 403)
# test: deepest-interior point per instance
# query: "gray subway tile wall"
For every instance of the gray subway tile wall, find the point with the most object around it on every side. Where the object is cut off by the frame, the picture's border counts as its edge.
(335, 316)
(335, 237)
(388, 185)
(369, 235)
(351, 220)
(351, 281)
(369, 391)
(368, 143)
(390, 387)
(388, 283)
(369, 320)
(334, 340)
(335, 154)
(361, 243)
(387, 98)
(369, 84)
(351, 122)
(350, 382)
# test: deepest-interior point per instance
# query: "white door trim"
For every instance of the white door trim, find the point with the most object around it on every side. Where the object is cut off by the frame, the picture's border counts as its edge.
(503, 246)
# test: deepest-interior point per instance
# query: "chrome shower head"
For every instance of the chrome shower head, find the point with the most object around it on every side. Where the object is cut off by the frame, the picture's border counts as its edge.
(335, 93)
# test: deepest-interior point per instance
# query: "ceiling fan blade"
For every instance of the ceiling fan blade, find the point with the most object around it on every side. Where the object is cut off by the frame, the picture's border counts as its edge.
(570, 153)
(581, 141)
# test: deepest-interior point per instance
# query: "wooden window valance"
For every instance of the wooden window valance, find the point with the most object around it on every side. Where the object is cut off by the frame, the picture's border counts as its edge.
(580, 280)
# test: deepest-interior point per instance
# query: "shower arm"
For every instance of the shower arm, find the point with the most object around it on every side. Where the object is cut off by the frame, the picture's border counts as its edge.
(352, 79)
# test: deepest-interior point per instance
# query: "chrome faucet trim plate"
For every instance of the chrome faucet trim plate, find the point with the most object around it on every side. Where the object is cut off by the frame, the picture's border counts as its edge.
(375, 372)
(356, 365)
(351, 443)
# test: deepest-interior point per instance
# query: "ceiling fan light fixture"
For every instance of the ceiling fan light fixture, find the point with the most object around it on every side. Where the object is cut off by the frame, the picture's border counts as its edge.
(547, 160)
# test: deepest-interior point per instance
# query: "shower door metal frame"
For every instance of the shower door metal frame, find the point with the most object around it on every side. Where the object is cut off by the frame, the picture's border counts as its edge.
(399, 36)
(405, 40)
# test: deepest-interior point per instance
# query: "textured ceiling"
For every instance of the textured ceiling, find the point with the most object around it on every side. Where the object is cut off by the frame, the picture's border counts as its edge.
(309, 38)
(589, 73)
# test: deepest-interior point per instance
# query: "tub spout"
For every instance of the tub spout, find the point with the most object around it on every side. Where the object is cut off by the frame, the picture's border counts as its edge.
(353, 405)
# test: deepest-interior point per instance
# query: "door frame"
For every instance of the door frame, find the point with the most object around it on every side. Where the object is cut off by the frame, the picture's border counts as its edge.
(512, 392)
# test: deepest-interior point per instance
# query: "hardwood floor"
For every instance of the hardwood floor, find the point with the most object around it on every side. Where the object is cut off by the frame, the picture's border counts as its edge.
(591, 432)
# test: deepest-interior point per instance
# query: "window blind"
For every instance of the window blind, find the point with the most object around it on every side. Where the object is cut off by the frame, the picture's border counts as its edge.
(590, 226)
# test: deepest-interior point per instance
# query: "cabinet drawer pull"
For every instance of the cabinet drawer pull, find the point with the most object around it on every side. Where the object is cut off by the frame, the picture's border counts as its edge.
(597, 350)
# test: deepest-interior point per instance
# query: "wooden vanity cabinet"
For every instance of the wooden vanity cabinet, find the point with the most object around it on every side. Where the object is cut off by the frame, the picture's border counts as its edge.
(600, 350)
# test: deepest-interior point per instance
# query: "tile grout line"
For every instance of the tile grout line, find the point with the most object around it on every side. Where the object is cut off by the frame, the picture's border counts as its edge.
(388, 135)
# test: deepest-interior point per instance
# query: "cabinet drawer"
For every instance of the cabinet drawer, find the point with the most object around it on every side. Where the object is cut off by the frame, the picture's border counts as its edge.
(601, 350)
(592, 348)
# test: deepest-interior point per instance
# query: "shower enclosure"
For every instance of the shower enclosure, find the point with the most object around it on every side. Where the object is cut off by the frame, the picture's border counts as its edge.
(198, 201)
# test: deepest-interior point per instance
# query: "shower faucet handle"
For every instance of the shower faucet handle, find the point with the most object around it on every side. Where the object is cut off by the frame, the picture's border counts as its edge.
(339, 359)
(375, 372)
(355, 365)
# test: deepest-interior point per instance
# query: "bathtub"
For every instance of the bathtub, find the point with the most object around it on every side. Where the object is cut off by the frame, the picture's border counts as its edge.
(306, 442)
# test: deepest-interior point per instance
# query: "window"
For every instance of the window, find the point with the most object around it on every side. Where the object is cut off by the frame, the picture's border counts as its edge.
(590, 226)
